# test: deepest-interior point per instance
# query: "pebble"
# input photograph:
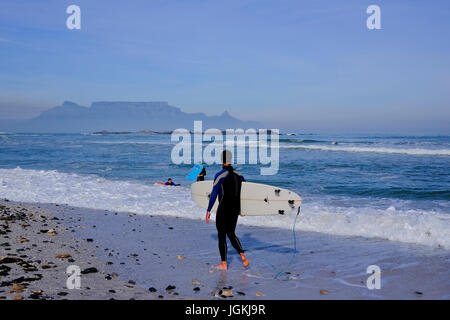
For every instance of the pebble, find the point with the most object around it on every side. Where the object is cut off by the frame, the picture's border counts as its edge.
(51, 232)
(226, 292)
(89, 270)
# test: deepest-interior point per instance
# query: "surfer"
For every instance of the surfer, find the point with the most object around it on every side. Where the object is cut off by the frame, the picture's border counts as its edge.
(201, 176)
(171, 183)
(227, 185)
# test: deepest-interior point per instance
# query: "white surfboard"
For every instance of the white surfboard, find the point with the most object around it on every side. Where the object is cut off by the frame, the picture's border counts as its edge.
(256, 199)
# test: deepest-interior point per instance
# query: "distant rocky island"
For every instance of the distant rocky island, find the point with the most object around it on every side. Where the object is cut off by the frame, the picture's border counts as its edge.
(113, 117)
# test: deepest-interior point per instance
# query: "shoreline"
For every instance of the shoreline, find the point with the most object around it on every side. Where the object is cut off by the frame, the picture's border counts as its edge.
(161, 252)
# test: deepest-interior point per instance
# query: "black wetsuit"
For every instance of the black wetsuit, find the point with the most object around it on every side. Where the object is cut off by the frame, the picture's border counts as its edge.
(201, 176)
(227, 186)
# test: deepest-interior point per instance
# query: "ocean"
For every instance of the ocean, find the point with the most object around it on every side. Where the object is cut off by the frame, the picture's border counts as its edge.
(373, 186)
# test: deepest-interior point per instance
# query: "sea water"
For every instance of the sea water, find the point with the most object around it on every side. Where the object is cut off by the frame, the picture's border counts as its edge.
(374, 186)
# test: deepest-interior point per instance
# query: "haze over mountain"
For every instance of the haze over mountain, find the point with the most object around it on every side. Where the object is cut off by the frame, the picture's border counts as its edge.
(122, 116)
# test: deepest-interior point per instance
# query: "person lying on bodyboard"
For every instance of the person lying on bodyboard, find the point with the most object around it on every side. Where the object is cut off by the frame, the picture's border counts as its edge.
(171, 183)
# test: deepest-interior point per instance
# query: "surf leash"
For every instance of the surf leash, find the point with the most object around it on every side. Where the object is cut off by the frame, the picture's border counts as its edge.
(295, 247)
(293, 254)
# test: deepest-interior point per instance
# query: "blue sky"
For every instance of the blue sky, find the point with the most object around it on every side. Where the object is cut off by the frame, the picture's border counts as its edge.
(295, 65)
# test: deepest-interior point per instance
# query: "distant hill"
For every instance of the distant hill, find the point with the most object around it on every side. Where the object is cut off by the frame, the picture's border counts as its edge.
(122, 116)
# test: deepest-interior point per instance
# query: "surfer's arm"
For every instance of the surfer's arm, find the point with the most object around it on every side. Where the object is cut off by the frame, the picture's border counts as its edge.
(216, 188)
(214, 193)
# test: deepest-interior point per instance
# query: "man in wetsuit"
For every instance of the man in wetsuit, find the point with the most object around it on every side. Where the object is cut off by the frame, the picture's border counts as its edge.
(227, 185)
(201, 176)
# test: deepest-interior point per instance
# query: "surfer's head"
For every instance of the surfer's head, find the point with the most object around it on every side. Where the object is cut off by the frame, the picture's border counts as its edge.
(227, 158)
(169, 180)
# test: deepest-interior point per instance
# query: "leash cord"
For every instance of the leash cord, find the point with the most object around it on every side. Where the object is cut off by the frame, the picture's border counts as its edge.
(293, 254)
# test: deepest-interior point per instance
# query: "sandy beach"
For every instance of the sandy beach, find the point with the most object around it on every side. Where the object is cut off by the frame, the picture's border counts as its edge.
(161, 257)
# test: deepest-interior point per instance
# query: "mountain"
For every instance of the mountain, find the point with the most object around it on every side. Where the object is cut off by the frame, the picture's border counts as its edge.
(122, 116)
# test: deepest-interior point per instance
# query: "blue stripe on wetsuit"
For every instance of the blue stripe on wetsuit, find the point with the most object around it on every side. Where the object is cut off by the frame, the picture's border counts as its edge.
(217, 190)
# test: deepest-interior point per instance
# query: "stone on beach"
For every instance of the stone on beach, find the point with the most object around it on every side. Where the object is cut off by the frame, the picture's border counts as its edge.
(51, 232)
(4, 259)
(89, 270)
(17, 288)
(226, 292)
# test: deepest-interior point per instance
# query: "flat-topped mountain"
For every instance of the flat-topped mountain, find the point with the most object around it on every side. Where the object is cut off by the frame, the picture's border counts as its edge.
(123, 116)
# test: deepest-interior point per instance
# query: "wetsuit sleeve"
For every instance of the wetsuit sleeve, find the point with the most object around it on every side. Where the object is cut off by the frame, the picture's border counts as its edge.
(215, 191)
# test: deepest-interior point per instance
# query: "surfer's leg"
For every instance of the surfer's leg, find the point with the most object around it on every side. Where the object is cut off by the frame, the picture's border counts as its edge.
(222, 236)
(230, 230)
(231, 227)
(235, 241)
(223, 245)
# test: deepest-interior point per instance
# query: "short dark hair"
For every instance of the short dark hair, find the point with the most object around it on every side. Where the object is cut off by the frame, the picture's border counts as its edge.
(227, 156)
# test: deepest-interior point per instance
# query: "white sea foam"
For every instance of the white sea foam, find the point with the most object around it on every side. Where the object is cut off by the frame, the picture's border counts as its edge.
(247, 143)
(120, 142)
(410, 151)
(411, 226)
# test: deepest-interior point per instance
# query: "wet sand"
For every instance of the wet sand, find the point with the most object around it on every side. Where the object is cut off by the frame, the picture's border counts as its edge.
(161, 257)
(36, 247)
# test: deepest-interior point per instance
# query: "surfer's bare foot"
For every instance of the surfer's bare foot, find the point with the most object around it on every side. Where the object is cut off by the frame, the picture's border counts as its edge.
(222, 266)
(245, 261)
